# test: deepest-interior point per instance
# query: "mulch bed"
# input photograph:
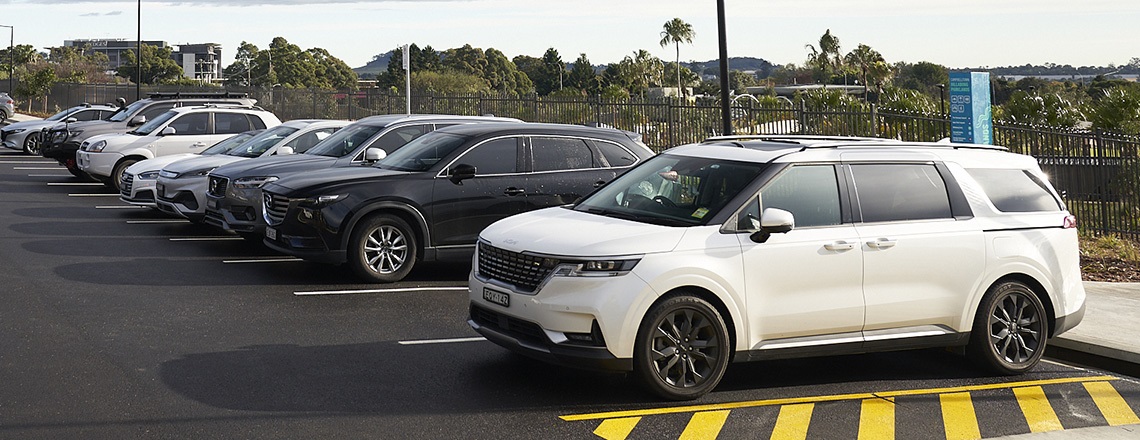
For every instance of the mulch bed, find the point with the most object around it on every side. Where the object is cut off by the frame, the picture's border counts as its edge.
(1110, 269)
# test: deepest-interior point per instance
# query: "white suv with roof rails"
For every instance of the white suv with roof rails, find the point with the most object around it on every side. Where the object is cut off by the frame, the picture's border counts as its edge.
(766, 247)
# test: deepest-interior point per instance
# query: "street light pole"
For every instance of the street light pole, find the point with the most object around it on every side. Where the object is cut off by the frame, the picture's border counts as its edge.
(725, 111)
(138, 57)
(11, 58)
(942, 106)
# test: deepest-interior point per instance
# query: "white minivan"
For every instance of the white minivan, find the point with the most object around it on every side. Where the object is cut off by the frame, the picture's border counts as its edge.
(767, 247)
(178, 131)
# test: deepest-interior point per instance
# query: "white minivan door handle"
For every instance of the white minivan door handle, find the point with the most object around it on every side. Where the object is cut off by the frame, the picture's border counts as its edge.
(882, 243)
(839, 246)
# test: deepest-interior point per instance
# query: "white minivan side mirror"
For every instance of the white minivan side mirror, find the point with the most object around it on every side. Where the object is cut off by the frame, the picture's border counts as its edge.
(374, 154)
(284, 151)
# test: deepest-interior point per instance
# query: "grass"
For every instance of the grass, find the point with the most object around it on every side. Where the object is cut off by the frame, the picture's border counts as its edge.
(1109, 258)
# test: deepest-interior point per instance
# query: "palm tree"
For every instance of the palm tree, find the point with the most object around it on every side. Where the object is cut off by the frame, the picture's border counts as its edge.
(676, 31)
(826, 58)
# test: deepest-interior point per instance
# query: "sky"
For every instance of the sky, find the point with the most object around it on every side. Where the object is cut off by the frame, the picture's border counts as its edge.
(961, 34)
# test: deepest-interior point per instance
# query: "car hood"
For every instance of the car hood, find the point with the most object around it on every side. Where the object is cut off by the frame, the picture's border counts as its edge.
(158, 163)
(299, 184)
(117, 142)
(95, 127)
(202, 162)
(565, 232)
(274, 165)
(28, 125)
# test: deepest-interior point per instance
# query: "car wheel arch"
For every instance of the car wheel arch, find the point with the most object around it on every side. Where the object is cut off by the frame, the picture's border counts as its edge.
(1038, 290)
(409, 214)
(730, 320)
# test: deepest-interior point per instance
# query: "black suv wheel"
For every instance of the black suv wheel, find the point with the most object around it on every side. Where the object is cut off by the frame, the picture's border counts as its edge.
(382, 249)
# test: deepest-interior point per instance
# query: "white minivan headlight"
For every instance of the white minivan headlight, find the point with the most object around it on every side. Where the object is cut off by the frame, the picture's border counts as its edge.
(596, 268)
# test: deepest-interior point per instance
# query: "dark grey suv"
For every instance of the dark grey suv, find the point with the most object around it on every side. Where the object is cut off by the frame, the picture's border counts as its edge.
(429, 200)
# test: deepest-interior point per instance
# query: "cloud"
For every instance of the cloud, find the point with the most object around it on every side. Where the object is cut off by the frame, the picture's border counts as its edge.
(114, 13)
(237, 3)
(96, 14)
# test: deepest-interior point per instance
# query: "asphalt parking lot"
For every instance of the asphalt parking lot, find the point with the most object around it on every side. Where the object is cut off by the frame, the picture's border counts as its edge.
(118, 322)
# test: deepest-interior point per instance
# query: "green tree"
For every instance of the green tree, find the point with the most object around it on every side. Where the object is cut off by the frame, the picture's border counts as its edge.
(287, 65)
(241, 72)
(35, 85)
(157, 66)
(504, 76)
(466, 59)
(922, 76)
(825, 59)
(1117, 110)
(544, 72)
(870, 65)
(675, 32)
(331, 72)
(448, 83)
(1043, 109)
(583, 77)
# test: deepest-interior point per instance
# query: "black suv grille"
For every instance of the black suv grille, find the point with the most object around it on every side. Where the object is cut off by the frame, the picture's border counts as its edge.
(275, 208)
(523, 271)
(217, 186)
(126, 184)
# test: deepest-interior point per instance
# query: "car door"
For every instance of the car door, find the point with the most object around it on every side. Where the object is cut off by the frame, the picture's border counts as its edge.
(191, 135)
(461, 210)
(563, 169)
(807, 283)
(912, 230)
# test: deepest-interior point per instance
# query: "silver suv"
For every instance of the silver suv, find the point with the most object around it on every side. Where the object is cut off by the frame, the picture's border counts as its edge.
(757, 248)
(7, 107)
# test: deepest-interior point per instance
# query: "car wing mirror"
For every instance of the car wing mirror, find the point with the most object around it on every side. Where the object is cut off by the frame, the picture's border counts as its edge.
(773, 221)
(374, 154)
(284, 151)
(137, 121)
(461, 172)
(70, 120)
(167, 131)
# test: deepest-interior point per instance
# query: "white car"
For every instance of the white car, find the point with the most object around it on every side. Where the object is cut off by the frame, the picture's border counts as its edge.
(178, 131)
(181, 186)
(137, 186)
(766, 247)
(26, 135)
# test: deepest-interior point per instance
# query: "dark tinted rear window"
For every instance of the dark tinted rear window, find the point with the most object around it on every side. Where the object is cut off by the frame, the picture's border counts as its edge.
(1014, 190)
(893, 192)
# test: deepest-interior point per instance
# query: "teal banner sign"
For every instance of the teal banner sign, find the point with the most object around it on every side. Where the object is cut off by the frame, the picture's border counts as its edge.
(971, 117)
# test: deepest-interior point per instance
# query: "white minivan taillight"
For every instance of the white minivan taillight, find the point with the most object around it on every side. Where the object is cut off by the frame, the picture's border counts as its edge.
(1070, 222)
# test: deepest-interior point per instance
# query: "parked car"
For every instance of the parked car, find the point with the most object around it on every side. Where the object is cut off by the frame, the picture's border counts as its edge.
(137, 187)
(756, 248)
(178, 131)
(62, 141)
(429, 200)
(181, 186)
(233, 197)
(7, 106)
(25, 135)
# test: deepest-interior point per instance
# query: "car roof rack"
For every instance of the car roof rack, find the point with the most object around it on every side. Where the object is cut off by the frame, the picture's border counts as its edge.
(806, 142)
(178, 95)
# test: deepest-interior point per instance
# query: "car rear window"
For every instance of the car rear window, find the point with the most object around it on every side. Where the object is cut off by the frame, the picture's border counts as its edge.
(1015, 190)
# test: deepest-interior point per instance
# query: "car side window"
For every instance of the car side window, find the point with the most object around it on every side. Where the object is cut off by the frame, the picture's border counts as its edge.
(557, 154)
(190, 124)
(1015, 190)
(398, 137)
(809, 192)
(86, 115)
(306, 141)
(156, 109)
(894, 192)
(230, 123)
(615, 155)
(499, 156)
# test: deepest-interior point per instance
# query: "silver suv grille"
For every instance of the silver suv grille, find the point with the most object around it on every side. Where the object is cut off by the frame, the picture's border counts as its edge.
(523, 271)
(217, 186)
(126, 184)
(275, 208)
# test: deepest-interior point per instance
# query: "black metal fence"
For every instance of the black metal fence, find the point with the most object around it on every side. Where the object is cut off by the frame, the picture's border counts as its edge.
(1098, 173)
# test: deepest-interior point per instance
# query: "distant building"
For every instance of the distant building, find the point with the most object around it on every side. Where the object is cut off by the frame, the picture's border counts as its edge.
(112, 48)
(198, 61)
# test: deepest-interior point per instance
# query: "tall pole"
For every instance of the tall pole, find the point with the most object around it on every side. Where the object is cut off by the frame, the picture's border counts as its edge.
(725, 111)
(407, 79)
(138, 56)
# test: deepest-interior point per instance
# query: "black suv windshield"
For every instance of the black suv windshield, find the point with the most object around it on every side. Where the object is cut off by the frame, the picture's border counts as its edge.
(263, 142)
(423, 152)
(123, 114)
(673, 190)
(345, 141)
(153, 125)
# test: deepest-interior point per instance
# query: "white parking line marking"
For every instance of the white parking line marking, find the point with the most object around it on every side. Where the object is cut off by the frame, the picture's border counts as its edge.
(399, 290)
(50, 175)
(441, 341)
(206, 238)
(92, 195)
(263, 260)
(121, 207)
(30, 161)
(74, 184)
(35, 168)
(149, 222)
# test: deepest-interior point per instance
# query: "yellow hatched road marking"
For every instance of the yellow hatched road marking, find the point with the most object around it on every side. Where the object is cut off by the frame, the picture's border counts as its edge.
(831, 398)
(877, 419)
(1115, 409)
(1038, 412)
(793, 421)
(959, 417)
(704, 425)
(616, 429)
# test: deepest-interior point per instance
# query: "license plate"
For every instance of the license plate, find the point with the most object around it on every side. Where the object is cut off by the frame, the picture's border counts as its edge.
(211, 204)
(270, 233)
(499, 298)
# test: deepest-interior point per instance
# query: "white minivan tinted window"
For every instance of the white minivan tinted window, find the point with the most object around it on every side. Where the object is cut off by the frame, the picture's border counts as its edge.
(1014, 190)
(894, 192)
(810, 193)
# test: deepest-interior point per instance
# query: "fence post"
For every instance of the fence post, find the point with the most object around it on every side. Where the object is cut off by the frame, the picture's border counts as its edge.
(803, 117)
(1098, 142)
(874, 120)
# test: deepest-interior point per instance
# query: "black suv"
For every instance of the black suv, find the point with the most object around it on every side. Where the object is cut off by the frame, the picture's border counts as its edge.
(62, 141)
(429, 200)
(233, 194)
